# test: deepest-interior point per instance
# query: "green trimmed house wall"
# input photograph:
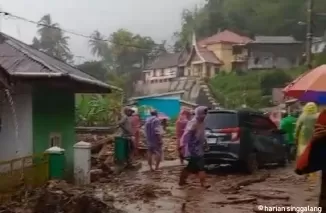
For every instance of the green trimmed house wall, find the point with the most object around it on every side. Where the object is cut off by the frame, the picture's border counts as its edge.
(54, 112)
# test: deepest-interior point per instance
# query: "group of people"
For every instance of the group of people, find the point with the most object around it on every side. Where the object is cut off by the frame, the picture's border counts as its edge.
(299, 130)
(130, 126)
(190, 132)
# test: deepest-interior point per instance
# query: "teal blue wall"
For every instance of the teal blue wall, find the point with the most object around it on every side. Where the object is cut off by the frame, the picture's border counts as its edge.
(170, 107)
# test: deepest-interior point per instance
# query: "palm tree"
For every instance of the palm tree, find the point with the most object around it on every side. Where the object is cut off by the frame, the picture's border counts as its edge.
(97, 44)
(52, 39)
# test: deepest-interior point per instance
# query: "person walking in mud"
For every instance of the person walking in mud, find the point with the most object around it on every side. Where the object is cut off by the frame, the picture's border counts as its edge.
(193, 141)
(313, 157)
(125, 125)
(305, 128)
(154, 132)
(287, 124)
(180, 127)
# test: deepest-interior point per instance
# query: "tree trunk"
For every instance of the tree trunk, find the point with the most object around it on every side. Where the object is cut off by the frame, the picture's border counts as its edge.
(322, 195)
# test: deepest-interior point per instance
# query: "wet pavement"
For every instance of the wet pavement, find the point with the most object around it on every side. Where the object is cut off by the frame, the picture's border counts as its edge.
(158, 192)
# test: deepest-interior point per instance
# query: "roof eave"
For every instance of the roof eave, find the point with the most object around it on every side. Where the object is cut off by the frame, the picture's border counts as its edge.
(73, 77)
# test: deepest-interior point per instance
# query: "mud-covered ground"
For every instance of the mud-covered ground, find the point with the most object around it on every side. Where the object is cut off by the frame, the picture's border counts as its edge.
(158, 192)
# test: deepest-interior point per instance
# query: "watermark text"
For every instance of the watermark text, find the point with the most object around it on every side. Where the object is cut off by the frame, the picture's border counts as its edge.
(298, 209)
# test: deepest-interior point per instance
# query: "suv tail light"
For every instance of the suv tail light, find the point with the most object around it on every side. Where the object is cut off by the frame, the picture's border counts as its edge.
(235, 133)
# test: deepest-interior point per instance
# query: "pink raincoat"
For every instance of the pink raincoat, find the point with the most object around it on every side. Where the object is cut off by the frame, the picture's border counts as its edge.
(181, 124)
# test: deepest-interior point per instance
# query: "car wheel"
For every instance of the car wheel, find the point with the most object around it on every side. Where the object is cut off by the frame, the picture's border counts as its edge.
(251, 164)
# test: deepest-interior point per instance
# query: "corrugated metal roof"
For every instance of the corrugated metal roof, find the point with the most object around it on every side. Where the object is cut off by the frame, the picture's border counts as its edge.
(275, 40)
(17, 57)
(164, 61)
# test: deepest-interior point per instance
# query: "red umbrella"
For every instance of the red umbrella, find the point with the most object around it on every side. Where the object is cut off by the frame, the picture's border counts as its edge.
(312, 81)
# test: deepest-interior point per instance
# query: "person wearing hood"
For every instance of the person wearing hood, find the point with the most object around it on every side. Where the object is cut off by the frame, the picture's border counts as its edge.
(305, 127)
(193, 141)
(127, 132)
(154, 133)
(180, 127)
(313, 157)
(136, 124)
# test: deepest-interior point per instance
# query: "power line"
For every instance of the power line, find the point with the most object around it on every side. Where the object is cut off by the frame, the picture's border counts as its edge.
(74, 33)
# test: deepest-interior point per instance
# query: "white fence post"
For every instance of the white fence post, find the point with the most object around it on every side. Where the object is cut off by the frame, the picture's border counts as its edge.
(82, 162)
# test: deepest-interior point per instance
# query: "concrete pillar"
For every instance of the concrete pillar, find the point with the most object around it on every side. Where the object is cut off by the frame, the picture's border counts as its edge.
(82, 162)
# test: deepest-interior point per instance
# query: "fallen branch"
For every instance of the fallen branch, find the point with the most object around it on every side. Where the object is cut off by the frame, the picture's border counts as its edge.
(237, 201)
(270, 197)
(247, 182)
(234, 188)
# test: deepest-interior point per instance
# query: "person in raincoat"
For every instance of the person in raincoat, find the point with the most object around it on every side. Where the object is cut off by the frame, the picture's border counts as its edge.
(287, 124)
(154, 133)
(135, 125)
(313, 157)
(127, 133)
(180, 126)
(305, 128)
(193, 141)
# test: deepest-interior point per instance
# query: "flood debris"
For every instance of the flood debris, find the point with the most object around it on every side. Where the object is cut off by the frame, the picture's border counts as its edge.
(270, 196)
(59, 197)
(234, 188)
(236, 201)
(102, 147)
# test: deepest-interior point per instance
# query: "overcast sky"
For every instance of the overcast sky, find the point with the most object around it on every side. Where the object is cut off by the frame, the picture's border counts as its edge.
(155, 18)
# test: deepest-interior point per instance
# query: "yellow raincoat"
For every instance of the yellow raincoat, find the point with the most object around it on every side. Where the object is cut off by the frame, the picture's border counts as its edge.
(305, 127)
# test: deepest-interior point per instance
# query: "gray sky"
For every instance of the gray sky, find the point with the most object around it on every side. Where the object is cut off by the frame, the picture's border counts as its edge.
(155, 18)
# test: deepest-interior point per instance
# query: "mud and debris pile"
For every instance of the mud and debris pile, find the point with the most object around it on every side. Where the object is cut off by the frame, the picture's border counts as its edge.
(103, 147)
(59, 197)
(145, 192)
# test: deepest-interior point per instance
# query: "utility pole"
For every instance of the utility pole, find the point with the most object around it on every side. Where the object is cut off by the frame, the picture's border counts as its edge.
(310, 5)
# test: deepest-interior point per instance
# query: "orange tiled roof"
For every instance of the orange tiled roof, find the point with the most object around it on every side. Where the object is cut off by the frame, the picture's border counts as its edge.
(226, 36)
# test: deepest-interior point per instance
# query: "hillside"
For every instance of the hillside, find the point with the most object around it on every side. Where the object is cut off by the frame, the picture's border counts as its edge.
(252, 88)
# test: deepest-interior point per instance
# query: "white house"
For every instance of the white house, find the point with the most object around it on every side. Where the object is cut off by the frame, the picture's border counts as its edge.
(163, 69)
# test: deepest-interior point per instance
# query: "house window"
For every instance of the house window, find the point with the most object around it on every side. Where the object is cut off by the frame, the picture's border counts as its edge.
(256, 60)
(154, 73)
(55, 140)
(216, 70)
(237, 50)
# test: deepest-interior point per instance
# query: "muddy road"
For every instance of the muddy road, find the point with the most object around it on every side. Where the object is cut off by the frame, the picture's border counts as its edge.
(158, 192)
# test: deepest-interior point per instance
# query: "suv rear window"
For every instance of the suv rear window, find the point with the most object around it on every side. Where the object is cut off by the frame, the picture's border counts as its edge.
(221, 120)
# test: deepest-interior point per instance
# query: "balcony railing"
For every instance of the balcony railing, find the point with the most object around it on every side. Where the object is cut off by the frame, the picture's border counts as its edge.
(240, 58)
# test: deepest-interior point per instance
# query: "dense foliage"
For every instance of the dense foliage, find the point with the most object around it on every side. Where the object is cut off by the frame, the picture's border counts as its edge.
(252, 89)
(251, 17)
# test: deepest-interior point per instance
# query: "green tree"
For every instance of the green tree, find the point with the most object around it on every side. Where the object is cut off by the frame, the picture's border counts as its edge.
(95, 69)
(52, 40)
(99, 47)
(250, 17)
(273, 79)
